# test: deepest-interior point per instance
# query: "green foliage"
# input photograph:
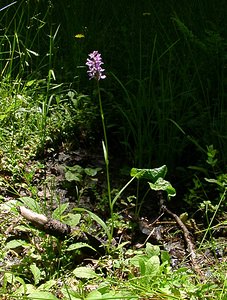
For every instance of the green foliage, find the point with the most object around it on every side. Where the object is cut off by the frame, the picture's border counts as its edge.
(149, 174)
(163, 185)
(32, 126)
(207, 191)
(76, 173)
(84, 272)
(169, 63)
(174, 71)
(126, 274)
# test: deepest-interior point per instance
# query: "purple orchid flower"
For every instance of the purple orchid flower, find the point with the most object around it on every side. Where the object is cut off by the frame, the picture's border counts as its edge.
(94, 63)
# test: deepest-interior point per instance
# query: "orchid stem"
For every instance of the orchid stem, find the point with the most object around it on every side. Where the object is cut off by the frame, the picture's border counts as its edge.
(106, 157)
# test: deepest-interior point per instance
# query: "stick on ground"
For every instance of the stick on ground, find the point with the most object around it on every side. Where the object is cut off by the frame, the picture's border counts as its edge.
(188, 240)
(48, 225)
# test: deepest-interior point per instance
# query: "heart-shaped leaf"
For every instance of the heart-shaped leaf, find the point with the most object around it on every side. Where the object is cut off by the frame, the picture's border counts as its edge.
(149, 174)
(163, 185)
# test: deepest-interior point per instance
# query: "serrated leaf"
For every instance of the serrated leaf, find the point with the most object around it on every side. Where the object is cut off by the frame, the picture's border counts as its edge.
(36, 273)
(77, 246)
(163, 185)
(42, 295)
(84, 272)
(149, 174)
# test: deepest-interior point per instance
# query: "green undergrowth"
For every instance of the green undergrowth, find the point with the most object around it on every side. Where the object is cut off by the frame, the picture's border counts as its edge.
(31, 123)
(163, 101)
(37, 266)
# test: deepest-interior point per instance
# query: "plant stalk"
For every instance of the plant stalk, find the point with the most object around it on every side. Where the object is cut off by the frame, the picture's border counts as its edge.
(106, 157)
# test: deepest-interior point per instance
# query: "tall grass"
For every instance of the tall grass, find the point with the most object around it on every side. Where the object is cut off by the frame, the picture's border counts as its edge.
(179, 75)
(168, 59)
(24, 39)
(169, 63)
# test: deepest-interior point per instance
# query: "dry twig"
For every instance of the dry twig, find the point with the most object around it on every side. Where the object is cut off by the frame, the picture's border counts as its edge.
(188, 240)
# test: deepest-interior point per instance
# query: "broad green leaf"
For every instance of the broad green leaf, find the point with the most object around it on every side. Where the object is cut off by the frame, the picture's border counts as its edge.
(142, 265)
(94, 295)
(70, 294)
(77, 246)
(149, 174)
(72, 219)
(72, 176)
(9, 205)
(58, 212)
(165, 257)
(31, 203)
(92, 171)
(75, 169)
(36, 273)
(163, 185)
(152, 250)
(74, 173)
(2, 117)
(15, 244)
(136, 260)
(153, 266)
(9, 277)
(84, 272)
(47, 285)
(42, 295)
(25, 289)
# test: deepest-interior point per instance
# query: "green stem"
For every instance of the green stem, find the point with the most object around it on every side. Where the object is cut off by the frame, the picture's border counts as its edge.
(105, 150)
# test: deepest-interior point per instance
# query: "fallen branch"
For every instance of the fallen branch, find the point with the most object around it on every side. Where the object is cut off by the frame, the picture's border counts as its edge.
(48, 225)
(60, 230)
(188, 240)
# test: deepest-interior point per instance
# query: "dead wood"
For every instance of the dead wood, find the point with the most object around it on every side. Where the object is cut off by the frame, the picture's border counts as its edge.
(48, 225)
(188, 240)
(61, 231)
